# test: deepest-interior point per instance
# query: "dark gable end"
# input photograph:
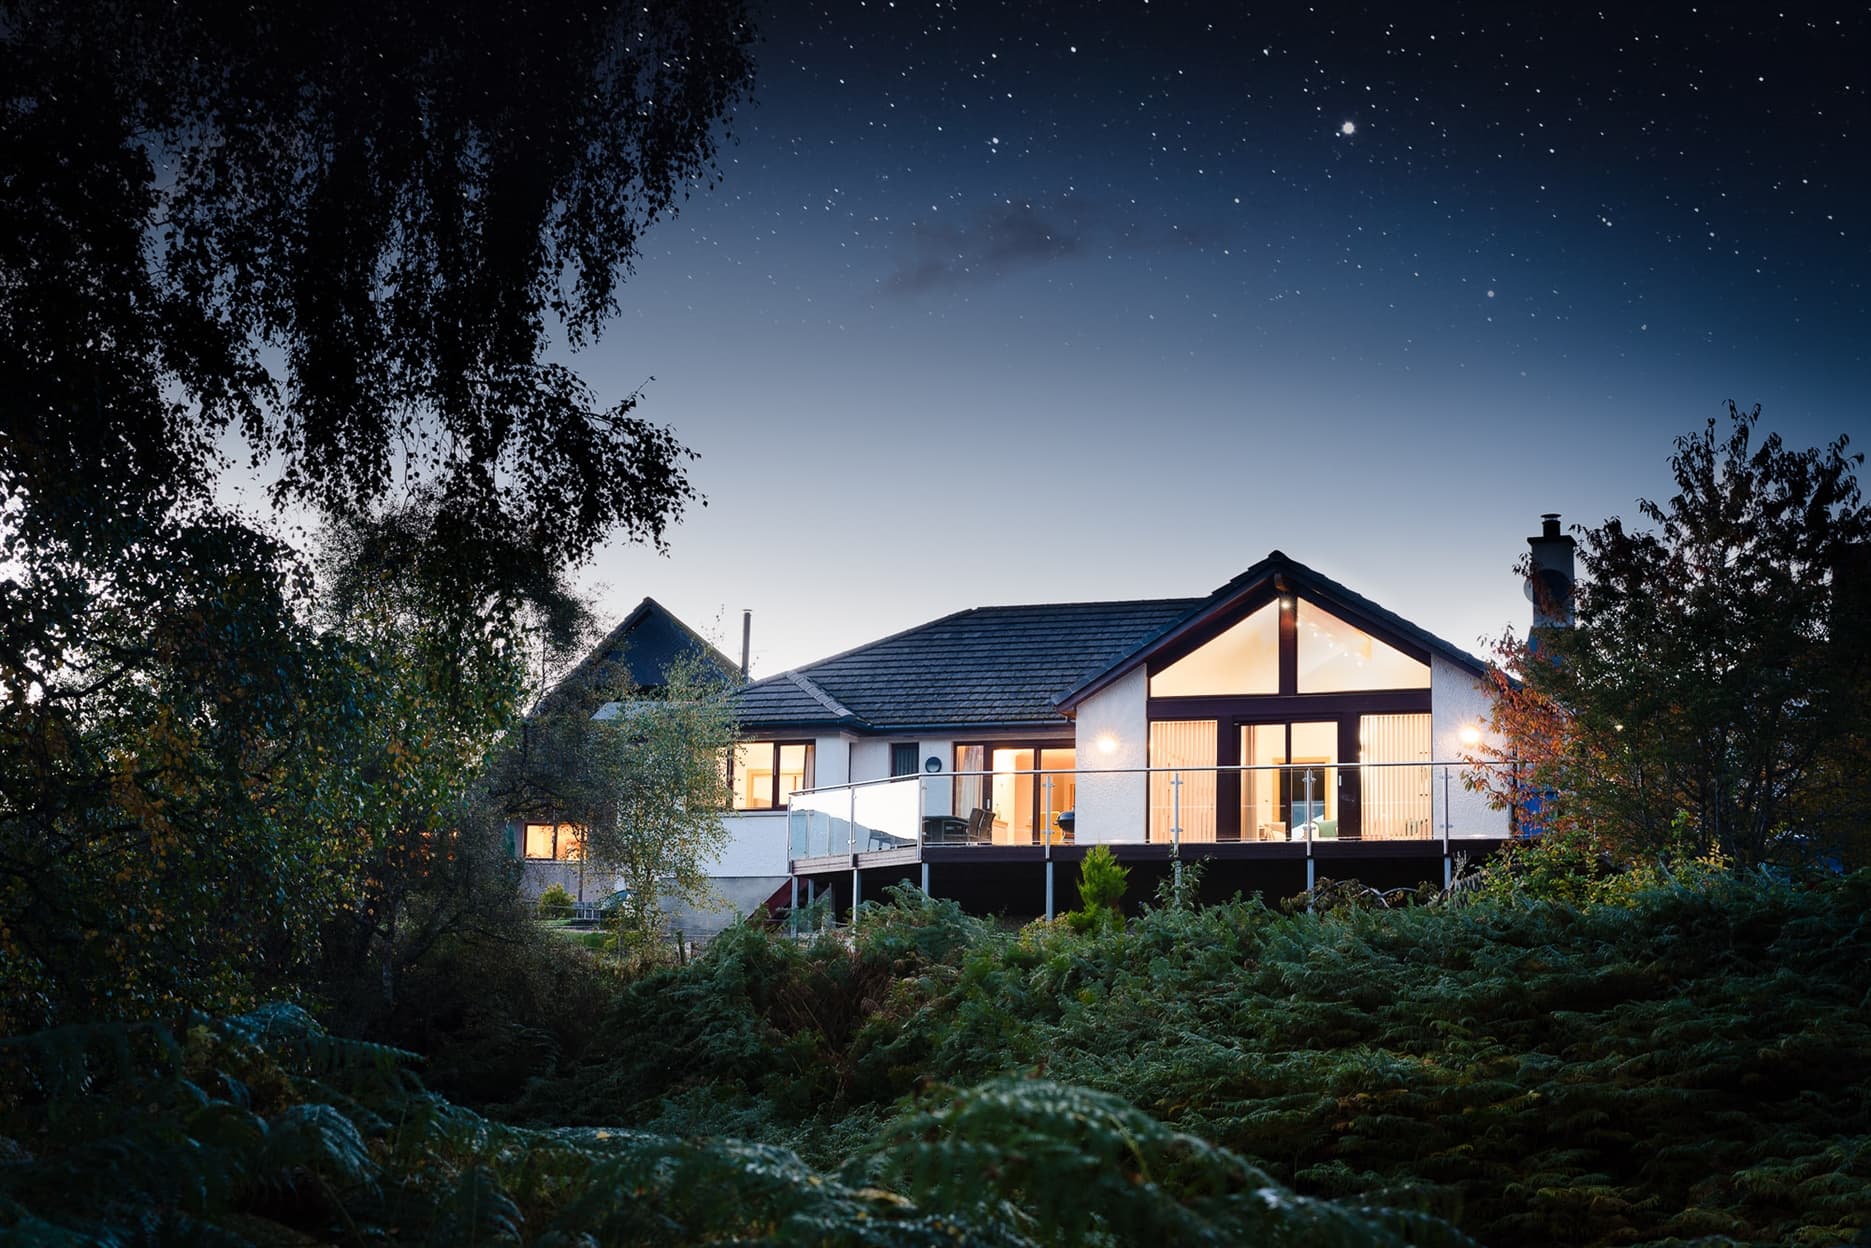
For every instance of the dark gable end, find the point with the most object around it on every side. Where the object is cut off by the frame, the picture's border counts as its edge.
(641, 649)
(1282, 575)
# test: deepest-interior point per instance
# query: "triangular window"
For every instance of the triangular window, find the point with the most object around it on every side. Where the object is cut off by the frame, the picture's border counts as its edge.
(1245, 659)
(1336, 657)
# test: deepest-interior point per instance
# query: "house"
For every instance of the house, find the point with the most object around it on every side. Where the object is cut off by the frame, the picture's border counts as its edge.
(638, 654)
(1282, 727)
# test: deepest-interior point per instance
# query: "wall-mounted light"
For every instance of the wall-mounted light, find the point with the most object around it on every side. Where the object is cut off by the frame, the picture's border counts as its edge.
(1471, 736)
(1107, 743)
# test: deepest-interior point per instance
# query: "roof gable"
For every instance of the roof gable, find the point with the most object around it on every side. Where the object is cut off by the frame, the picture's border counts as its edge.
(639, 652)
(1276, 574)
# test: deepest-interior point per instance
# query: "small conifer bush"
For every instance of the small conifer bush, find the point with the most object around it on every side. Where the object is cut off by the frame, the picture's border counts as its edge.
(555, 903)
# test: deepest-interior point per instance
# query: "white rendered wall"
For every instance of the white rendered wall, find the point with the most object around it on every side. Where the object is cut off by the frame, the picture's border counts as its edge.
(1458, 699)
(870, 760)
(756, 844)
(939, 788)
(1114, 808)
(832, 760)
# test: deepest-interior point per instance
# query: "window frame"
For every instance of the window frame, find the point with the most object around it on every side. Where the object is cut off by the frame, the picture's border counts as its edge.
(773, 771)
(1039, 747)
(559, 828)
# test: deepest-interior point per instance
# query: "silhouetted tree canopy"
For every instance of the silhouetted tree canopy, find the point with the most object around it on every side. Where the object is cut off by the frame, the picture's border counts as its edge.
(1711, 694)
(351, 231)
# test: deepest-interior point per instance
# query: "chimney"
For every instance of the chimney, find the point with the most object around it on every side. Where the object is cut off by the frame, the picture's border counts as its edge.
(1551, 568)
(747, 642)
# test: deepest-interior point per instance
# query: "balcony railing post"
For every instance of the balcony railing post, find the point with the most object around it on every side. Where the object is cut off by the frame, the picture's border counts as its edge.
(1045, 826)
(1446, 813)
(1311, 820)
(851, 820)
(922, 815)
(1175, 813)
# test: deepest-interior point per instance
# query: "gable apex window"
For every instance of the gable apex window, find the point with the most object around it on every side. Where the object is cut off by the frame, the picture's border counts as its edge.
(1244, 659)
(1339, 657)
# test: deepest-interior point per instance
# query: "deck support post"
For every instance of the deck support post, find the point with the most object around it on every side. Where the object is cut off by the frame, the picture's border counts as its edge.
(1312, 878)
(792, 910)
(857, 890)
(925, 877)
(1049, 888)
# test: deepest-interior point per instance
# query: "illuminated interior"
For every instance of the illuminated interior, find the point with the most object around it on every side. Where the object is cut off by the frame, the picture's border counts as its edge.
(1186, 743)
(553, 841)
(1244, 659)
(1336, 657)
(767, 773)
(1394, 803)
(970, 791)
(1289, 781)
(1022, 801)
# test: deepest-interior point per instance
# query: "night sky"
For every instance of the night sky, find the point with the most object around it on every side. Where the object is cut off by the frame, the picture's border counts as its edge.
(1017, 303)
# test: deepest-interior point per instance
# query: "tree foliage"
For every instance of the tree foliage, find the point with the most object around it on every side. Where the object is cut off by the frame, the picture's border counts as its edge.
(347, 237)
(1715, 671)
(350, 235)
(656, 786)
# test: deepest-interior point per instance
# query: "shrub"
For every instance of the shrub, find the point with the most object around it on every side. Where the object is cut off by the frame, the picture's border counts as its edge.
(1101, 884)
(555, 903)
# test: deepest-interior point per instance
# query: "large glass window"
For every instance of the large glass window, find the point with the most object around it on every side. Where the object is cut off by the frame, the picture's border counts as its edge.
(1289, 781)
(560, 841)
(970, 792)
(767, 773)
(1025, 805)
(1336, 657)
(1263, 754)
(1245, 659)
(1187, 743)
(1058, 792)
(1013, 797)
(1395, 796)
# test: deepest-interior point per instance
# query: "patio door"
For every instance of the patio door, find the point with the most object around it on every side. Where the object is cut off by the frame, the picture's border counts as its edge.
(1027, 806)
(1289, 780)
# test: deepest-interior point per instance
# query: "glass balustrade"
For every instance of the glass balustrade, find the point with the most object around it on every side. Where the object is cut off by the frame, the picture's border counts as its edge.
(1312, 798)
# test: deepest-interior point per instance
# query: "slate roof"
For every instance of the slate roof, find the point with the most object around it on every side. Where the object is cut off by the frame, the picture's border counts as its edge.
(988, 666)
(1026, 665)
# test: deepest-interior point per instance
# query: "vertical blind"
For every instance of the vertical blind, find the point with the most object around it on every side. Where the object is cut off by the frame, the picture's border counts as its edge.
(1183, 743)
(1395, 799)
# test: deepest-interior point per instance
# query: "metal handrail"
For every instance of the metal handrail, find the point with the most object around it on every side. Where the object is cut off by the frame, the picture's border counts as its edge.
(1122, 771)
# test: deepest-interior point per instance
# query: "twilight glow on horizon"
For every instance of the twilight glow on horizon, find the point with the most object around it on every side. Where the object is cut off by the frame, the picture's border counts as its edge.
(1016, 303)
